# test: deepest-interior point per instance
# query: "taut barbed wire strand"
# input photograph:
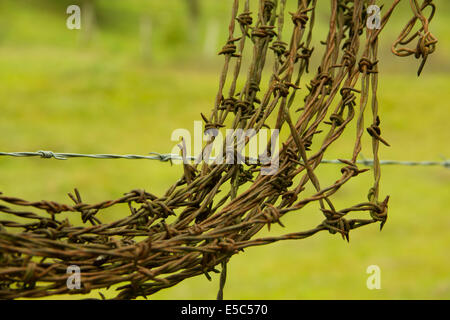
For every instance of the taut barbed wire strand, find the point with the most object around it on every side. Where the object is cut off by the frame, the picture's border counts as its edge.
(167, 157)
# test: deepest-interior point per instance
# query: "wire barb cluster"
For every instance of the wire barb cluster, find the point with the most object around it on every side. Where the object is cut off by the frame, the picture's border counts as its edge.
(215, 210)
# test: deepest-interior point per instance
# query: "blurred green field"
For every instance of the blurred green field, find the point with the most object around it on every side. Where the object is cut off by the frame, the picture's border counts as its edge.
(60, 94)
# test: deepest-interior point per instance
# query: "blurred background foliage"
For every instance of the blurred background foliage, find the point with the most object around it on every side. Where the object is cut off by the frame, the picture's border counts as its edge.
(138, 69)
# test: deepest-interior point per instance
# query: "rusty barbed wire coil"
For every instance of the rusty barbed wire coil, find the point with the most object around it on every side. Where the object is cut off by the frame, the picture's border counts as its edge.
(197, 226)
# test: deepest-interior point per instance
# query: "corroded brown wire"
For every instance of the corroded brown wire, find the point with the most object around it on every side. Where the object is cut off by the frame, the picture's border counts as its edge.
(197, 224)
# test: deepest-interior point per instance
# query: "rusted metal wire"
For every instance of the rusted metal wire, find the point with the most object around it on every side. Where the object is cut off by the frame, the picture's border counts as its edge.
(197, 225)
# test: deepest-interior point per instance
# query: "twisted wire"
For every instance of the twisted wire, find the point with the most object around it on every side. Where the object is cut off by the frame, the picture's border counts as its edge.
(167, 157)
(207, 215)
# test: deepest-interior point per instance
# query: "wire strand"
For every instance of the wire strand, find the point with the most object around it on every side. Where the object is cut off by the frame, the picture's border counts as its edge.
(170, 156)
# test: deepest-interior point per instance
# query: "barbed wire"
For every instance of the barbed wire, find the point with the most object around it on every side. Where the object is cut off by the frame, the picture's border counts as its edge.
(218, 211)
(171, 156)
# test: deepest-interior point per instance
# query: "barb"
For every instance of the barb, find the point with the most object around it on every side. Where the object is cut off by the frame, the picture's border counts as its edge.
(167, 157)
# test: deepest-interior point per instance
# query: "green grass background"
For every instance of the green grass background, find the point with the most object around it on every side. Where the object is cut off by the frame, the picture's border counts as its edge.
(61, 94)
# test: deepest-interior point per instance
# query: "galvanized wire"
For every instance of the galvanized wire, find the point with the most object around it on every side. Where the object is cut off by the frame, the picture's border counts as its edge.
(167, 157)
(66, 156)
